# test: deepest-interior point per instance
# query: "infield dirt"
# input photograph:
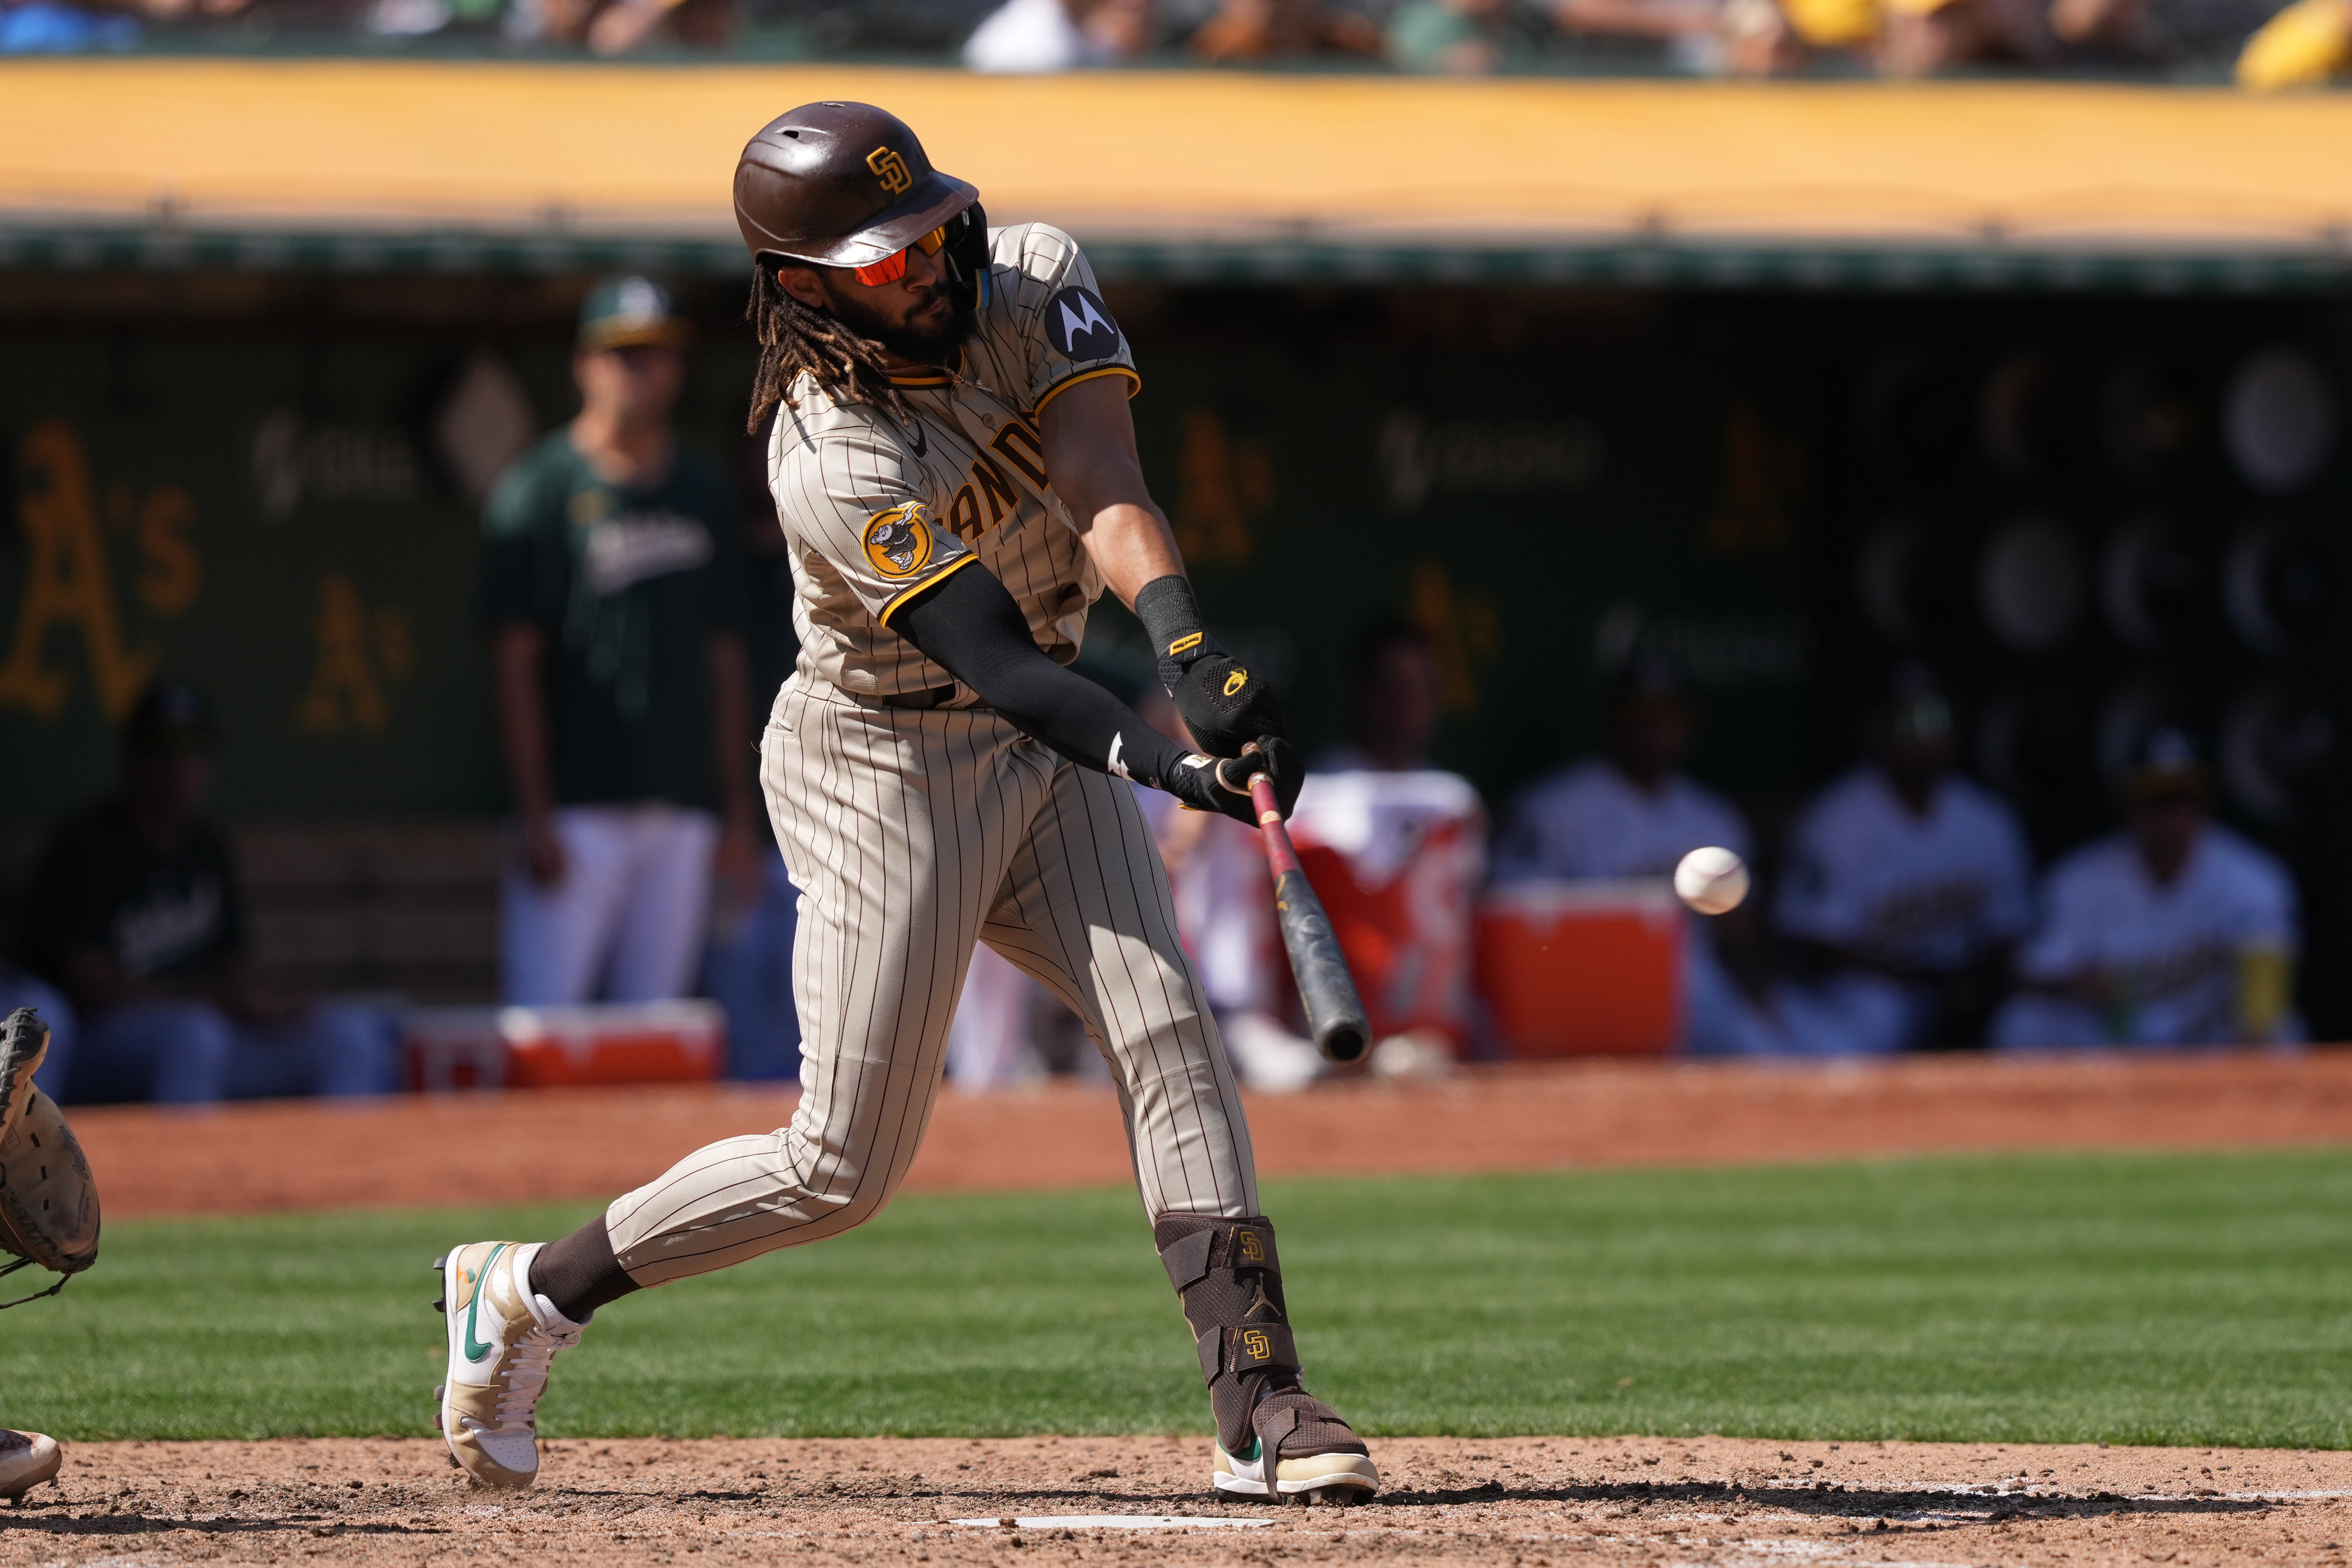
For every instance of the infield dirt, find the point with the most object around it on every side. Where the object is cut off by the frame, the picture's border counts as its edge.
(1530, 1502)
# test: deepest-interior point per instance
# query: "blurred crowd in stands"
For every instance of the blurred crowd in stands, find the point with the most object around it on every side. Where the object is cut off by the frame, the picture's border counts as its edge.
(2268, 43)
(1903, 911)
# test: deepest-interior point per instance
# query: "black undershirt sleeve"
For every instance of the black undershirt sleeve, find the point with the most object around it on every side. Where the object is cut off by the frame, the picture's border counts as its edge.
(970, 625)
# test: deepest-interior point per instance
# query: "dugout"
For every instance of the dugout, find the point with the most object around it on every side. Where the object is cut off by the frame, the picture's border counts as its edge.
(2041, 383)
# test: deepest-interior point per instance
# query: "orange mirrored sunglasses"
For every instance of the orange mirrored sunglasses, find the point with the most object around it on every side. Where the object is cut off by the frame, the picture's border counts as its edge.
(893, 267)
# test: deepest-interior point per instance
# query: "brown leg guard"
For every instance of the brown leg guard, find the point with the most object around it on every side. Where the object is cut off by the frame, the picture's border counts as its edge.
(1230, 1280)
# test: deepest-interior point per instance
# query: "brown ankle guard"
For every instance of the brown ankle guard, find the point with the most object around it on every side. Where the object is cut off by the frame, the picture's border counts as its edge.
(1229, 1278)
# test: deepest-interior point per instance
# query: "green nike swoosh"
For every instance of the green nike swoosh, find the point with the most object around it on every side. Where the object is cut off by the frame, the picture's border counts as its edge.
(475, 1349)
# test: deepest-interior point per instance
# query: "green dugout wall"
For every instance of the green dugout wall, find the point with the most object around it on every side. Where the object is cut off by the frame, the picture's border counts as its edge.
(263, 503)
(249, 481)
(252, 485)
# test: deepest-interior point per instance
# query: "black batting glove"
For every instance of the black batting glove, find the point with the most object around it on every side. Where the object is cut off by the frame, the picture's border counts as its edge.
(1223, 784)
(1225, 706)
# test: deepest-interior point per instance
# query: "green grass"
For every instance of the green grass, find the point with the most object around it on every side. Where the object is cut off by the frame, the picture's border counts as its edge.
(2140, 1299)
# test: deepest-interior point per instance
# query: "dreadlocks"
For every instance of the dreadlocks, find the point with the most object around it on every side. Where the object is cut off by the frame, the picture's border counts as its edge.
(795, 340)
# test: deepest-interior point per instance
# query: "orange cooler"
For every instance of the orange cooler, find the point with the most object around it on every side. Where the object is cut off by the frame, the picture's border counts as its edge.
(541, 1048)
(1583, 968)
(651, 1042)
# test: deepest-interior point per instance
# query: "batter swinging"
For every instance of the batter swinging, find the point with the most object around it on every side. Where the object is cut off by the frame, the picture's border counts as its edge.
(956, 471)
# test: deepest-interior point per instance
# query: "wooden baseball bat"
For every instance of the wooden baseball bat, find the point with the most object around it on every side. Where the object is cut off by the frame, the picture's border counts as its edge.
(1335, 1014)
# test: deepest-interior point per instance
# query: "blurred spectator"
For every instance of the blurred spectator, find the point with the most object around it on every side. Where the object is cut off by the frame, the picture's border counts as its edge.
(1899, 38)
(609, 589)
(1244, 31)
(1692, 31)
(2164, 33)
(991, 1041)
(1447, 37)
(622, 27)
(606, 26)
(1905, 888)
(45, 26)
(2174, 932)
(1396, 848)
(1929, 38)
(747, 966)
(137, 914)
(1634, 814)
(2306, 45)
(41, 27)
(1395, 703)
(1028, 37)
(1225, 910)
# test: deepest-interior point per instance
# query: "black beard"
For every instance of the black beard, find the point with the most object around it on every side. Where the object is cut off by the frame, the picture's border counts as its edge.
(938, 346)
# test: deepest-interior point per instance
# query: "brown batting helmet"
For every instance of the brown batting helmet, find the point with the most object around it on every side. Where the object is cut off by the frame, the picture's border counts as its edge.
(840, 185)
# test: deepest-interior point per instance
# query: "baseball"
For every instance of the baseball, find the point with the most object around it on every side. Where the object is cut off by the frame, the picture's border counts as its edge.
(1711, 880)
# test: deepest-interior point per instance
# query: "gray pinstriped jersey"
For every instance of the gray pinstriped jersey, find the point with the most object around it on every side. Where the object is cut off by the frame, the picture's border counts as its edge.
(873, 512)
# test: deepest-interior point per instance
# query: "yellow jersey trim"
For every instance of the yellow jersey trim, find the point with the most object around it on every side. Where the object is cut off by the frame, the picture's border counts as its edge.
(1061, 386)
(892, 608)
(930, 377)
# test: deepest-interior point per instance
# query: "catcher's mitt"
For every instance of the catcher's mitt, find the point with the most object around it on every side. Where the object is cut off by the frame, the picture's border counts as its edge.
(23, 1042)
(49, 1203)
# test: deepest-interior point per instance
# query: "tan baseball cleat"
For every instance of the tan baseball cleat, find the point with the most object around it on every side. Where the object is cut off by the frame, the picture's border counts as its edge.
(502, 1338)
(1300, 1451)
(1336, 1477)
(26, 1460)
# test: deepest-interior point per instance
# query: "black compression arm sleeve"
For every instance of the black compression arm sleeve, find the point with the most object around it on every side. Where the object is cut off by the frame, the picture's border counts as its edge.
(970, 624)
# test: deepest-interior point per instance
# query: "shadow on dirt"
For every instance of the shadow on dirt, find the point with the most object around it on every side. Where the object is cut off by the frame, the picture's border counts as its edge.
(1836, 1501)
(1823, 1500)
(105, 1524)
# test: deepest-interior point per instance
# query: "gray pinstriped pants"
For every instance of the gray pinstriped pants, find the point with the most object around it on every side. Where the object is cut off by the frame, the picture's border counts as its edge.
(912, 833)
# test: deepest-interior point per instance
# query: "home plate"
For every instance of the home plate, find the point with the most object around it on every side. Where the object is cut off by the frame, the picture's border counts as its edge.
(1116, 1521)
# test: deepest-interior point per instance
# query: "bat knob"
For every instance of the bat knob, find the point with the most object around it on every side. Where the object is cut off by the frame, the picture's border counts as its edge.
(1345, 1043)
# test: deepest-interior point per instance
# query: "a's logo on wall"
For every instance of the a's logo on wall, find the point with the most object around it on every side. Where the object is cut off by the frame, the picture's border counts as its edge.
(899, 541)
(72, 583)
(891, 170)
(1079, 326)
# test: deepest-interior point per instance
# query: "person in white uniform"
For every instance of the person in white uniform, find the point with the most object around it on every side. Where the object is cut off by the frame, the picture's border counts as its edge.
(1636, 814)
(1905, 887)
(1225, 910)
(2172, 931)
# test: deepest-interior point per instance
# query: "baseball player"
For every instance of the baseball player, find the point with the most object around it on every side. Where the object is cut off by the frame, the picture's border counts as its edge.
(1905, 885)
(1634, 813)
(2174, 932)
(956, 473)
(49, 1213)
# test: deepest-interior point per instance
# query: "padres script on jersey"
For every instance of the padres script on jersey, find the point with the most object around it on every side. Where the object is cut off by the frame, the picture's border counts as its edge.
(875, 512)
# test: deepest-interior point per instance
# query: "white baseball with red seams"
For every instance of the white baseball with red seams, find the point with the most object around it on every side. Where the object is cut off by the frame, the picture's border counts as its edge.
(1712, 880)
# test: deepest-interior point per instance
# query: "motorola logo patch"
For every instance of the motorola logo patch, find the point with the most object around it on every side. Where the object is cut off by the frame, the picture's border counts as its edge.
(1079, 326)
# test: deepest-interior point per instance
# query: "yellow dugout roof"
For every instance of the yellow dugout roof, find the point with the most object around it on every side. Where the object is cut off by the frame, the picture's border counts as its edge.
(367, 164)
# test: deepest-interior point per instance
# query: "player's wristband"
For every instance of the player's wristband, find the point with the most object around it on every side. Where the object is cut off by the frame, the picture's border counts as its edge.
(1172, 619)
